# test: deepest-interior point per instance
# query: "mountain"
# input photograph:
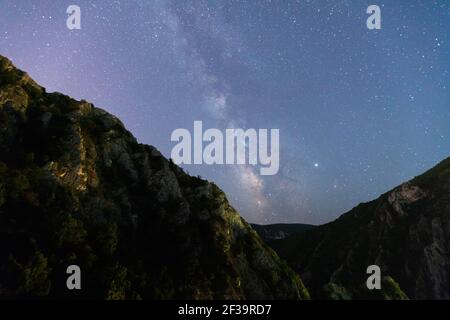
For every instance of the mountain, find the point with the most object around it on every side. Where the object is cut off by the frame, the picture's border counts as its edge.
(279, 231)
(76, 188)
(406, 232)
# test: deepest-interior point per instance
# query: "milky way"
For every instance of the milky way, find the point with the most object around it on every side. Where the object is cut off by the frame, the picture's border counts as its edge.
(359, 111)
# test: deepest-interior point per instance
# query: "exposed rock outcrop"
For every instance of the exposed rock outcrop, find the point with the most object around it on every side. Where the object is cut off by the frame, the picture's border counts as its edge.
(406, 232)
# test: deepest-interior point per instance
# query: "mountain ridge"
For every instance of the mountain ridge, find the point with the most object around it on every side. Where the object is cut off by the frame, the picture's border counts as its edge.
(405, 231)
(279, 231)
(77, 188)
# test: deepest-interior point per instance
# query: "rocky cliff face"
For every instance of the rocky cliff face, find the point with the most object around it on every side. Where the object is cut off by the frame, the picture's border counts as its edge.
(406, 232)
(77, 188)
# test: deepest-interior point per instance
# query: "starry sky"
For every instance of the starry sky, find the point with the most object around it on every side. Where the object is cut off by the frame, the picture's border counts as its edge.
(359, 111)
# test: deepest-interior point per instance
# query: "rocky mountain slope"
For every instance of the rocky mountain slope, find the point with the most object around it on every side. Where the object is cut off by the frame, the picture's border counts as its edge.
(77, 188)
(406, 232)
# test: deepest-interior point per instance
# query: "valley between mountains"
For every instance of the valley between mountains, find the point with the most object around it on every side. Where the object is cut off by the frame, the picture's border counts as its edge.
(76, 188)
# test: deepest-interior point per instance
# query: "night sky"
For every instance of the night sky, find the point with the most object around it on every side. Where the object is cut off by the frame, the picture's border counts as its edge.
(359, 111)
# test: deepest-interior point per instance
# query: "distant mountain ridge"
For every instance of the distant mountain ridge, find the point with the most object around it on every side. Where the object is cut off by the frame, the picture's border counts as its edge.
(279, 231)
(77, 188)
